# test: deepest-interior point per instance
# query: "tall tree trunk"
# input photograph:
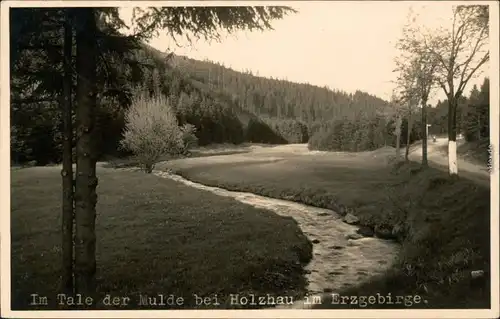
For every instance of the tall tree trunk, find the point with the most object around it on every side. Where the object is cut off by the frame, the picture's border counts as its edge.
(398, 137)
(452, 136)
(425, 163)
(408, 135)
(86, 180)
(67, 163)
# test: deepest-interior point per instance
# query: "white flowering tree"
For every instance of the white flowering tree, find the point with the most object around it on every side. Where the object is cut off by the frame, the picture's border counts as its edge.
(152, 130)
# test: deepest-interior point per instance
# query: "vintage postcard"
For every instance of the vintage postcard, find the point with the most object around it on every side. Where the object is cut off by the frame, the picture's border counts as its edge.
(240, 159)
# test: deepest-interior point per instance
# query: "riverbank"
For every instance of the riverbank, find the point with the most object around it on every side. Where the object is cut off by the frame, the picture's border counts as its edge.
(341, 256)
(442, 224)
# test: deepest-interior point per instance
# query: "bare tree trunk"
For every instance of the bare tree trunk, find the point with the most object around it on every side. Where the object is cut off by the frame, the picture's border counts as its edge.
(407, 153)
(86, 180)
(67, 163)
(425, 163)
(452, 136)
(398, 137)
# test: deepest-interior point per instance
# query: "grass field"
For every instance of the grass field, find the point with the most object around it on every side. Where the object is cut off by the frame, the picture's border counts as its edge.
(155, 236)
(445, 223)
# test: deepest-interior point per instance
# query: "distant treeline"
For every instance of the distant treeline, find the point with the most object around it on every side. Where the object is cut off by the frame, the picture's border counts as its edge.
(224, 105)
(473, 115)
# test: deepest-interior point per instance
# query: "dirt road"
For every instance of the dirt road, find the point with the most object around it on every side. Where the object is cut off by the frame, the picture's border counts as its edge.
(438, 158)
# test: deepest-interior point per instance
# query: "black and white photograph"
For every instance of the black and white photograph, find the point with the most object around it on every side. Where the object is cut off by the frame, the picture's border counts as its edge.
(304, 159)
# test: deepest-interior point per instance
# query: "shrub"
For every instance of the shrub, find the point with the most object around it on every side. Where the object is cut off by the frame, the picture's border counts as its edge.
(151, 129)
(189, 139)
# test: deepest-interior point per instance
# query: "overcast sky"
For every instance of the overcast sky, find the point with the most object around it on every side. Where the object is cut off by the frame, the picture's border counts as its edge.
(343, 45)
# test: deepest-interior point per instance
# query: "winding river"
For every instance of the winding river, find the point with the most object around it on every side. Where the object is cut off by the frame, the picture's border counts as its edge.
(338, 262)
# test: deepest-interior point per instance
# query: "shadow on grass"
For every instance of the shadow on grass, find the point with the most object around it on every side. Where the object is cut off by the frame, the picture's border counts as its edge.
(155, 236)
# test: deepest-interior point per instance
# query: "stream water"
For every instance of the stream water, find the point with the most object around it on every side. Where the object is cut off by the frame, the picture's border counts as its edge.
(337, 262)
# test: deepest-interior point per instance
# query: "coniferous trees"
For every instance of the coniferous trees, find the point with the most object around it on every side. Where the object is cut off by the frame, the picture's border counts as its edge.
(37, 67)
(220, 112)
(476, 122)
(472, 115)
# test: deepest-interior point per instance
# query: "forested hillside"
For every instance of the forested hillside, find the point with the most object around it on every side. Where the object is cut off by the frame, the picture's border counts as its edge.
(224, 105)
(287, 112)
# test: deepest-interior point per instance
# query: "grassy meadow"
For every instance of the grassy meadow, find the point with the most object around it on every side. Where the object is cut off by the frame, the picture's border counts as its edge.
(154, 236)
(445, 222)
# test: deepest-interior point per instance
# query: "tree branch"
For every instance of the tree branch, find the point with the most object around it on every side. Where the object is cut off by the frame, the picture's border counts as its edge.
(443, 86)
(39, 46)
(460, 41)
(436, 54)
(31, 100)
(471, 57)
(485, 58)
